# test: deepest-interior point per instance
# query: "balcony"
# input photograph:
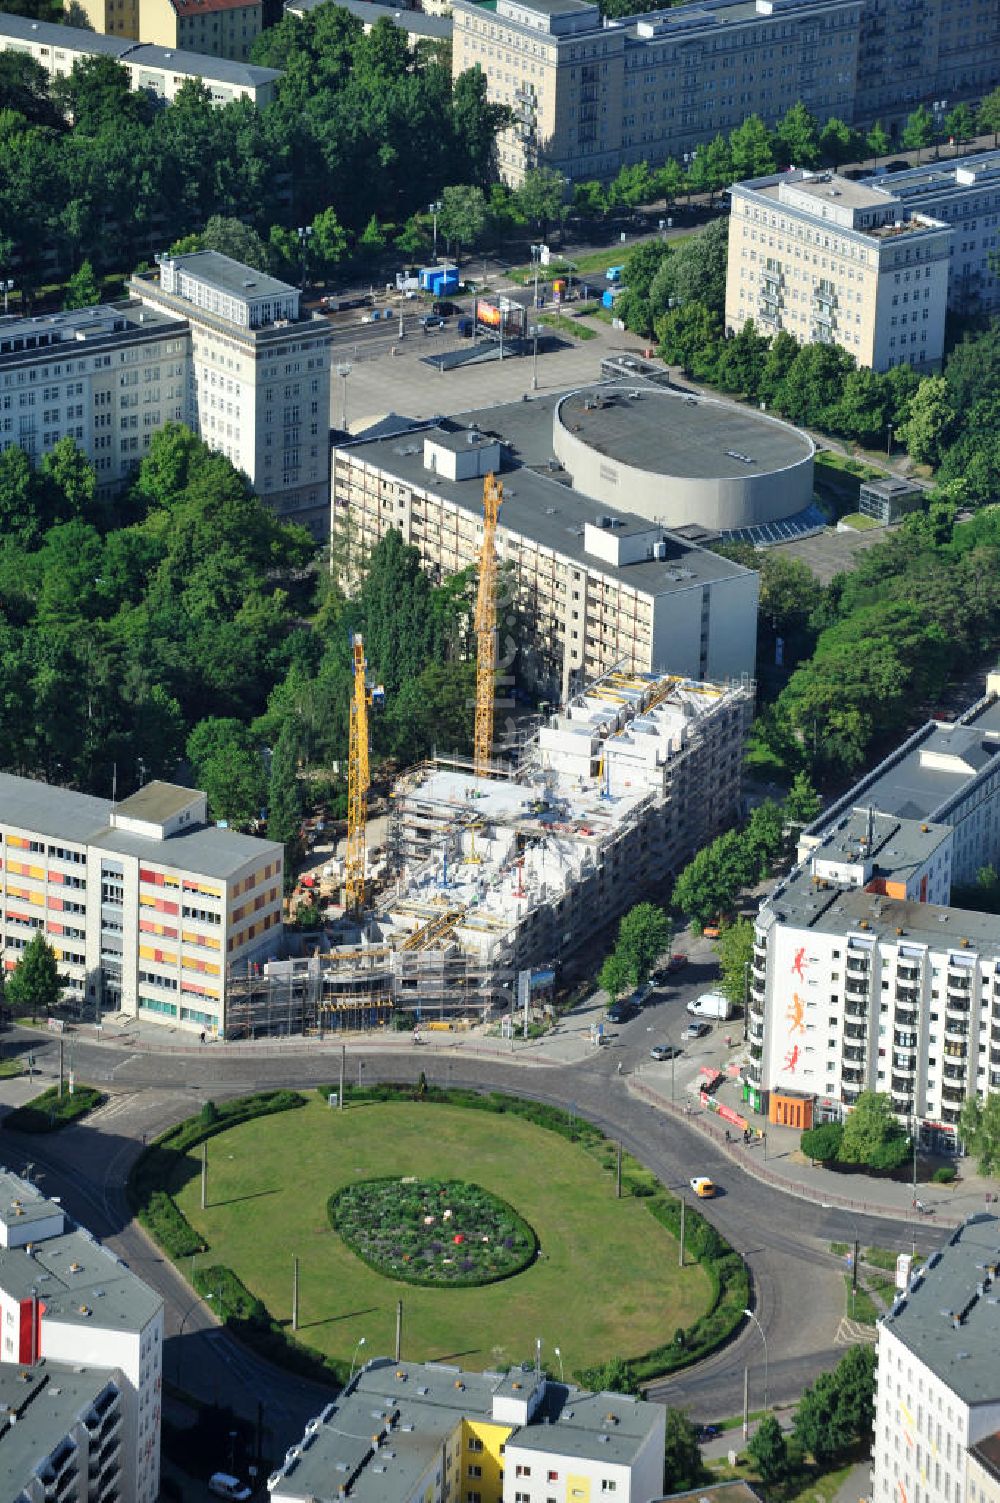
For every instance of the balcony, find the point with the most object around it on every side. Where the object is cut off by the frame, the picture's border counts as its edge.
(960, 1005)
(902, 1103)
(855, 986)
(752, 1073)
(954, 1029)
(856, 1009)
(908, 993)
(756, 1051)
(856, 963)
(854, 1031)
(905, 1018)
(903, 1066)
(854, 1053)
(849, 1095)
(852, 1076)
(954, 1094)
(907, 970)
(755, 1031)
(959, 981)
(950, 1115)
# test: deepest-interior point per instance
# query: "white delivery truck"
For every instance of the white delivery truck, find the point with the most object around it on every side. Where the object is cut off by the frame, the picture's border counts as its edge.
(711, 1005)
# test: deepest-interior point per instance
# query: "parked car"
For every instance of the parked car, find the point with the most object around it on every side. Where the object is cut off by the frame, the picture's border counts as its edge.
(703, 1187)
(708, 1432)
(222, 1485)
(677, 962)
(711, 1005)
(622, 1012)
(664, 1051)
(432, 321)
(444, 308)
(696, 1030)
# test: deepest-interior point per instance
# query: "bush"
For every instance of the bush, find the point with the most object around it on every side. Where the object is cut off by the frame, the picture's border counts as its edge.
(165, 1220)
(822, 1144)
(946, 1175)
(50, 1111)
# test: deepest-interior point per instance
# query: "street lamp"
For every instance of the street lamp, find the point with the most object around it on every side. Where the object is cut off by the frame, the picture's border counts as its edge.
(536, 254)
(939, 106)
(6, 287)
(559, 1355)
(534, 357)
(305, 233)
(888, 443)
(361, 1342)
(343, 371)
(435, 209)
(751, 1316)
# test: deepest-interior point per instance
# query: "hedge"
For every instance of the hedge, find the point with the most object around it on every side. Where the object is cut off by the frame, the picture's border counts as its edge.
(728, 1275)
(250, 1320)
(155, 1167)
(50, 1111)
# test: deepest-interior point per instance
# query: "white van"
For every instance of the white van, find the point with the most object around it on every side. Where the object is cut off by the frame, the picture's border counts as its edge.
(711, 1005)
(225, 1486)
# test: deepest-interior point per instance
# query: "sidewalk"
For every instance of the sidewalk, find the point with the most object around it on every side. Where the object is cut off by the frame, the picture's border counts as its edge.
(776, 1161)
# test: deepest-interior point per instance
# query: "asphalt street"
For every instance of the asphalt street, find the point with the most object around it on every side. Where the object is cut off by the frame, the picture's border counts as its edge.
(798, 1288)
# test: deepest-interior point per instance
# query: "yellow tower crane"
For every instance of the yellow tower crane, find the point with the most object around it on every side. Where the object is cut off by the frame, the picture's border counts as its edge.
(486, 627)
(358, 778)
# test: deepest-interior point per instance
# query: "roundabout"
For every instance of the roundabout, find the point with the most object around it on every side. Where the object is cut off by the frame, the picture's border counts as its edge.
(585, 1271)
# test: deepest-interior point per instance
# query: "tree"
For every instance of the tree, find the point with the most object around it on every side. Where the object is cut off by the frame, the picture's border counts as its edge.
(932, 415)
(82, 289)
(979, 1129)
(988, 114)
(34, 985)
(644, 933)
(918, 131)
(614, 1376)
(752, 149)
(789, 591)
(540, 197)
(371, 241)
(412, 239)
(670, 180)
(24, 88)
(768, 1452)
(735, 950)
(796, 137)
(837, 1411)
(462, 216)
(683, 1467)
(960, 124)
(72, 478)
(838, 142)
(615, 976)
(641, 270)
(329, 240)
(231, 237)
(802, 802)
(822, 1143)
(284, 797)
(872, 1135)
(696, 270)
(685, 332)
(878, 142)
(718, 165)
(227, 765)
(97, 95)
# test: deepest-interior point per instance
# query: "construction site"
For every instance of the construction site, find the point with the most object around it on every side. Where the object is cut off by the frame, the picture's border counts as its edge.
(497, 873)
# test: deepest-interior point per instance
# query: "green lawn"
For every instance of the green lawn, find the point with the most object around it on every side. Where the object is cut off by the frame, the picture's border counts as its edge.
(860, 522)
(606, 1281)
(565, 325)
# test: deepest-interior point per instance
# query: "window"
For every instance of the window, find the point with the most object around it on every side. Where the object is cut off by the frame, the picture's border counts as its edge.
(552, 1477)
(608, 1486)
(522, 1471)
(475, 1444)
(475, 1471)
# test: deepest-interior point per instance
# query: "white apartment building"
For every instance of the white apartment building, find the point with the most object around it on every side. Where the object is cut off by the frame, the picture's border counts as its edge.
(160, 71)
(864, 977)
(61, 1434)
(410, 1432)
(601, 588)
(937, 1410)
(965, 194)
(258, 380)
(106, 377)
(66, 1299)
(831, 261)
(148, 907)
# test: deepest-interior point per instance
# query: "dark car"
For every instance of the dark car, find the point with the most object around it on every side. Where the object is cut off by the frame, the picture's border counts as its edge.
(677, 962)
(432, 321)
(708, 1432)
(622, 1012)
(444, 308)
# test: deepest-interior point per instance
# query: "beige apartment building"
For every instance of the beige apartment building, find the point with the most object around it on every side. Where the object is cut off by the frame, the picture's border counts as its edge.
(107, 377)
(599, 588)
(221, 28)
(258, 379)
(147, 906)
(590, 96)
(832, 261)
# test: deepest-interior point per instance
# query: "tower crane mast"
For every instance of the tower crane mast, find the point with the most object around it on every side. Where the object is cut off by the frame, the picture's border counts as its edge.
(358, 778)
(486, 627)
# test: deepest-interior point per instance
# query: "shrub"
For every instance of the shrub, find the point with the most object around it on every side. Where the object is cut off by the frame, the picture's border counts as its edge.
(822, 1144)
(50, 1111)
(165, 1220)
(946, 1175)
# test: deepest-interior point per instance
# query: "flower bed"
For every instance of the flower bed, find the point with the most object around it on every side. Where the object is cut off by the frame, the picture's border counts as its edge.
(429, 1231)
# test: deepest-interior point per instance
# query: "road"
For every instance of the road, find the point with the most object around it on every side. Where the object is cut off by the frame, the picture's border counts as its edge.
(798, 1289)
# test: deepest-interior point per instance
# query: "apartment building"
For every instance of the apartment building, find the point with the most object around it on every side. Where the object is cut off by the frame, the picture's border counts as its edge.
(937, 1404)
(427, 1431)
(831, 261)
(146, 905)
(160, 71)
(220, 28)
(865, 976)
(68, 1305)
(599, 588)
(419, 25)
(60, 1434)
(258, 377)
(589, 96)
(107, 377)
(965, 194)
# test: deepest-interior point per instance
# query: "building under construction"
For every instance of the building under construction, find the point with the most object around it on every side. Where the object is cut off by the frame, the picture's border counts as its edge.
(494, 876)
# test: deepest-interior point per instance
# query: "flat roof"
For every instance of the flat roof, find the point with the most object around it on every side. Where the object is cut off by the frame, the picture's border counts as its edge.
(83, 328)
(671, 433)
(897, 845)
(949, 1321)
(157, 801)
(73, 38)
(800, 903)
(438, 28)
(63, 814)
(536, 504)
(22, 1204)
(935, 179)
(79, 1281)
(198, 65)
(609, 1427)
(217, 270)
(38, 1407)
(830, 187)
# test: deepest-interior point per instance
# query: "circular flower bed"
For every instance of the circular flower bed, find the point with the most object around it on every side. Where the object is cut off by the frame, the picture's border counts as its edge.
(432, 1231)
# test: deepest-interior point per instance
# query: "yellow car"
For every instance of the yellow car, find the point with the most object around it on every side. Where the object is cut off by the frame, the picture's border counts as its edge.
(703, 1187)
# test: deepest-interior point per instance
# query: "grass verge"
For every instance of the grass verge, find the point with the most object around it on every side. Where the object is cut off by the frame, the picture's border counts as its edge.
(50, 1111)
(564, 325)
(860, 522)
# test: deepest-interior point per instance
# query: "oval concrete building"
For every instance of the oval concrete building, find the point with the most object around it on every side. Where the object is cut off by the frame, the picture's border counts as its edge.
(680, 459)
